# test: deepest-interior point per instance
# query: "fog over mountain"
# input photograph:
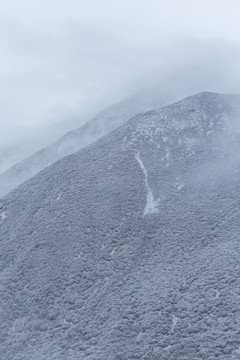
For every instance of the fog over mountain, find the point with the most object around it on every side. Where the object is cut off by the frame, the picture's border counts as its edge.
(71, 59)
(129, 249)
(100, 125)
(103, 123)
(26, 140)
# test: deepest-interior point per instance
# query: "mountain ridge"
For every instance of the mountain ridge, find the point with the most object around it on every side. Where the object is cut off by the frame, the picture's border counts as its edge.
(126, 249)
(103, 123)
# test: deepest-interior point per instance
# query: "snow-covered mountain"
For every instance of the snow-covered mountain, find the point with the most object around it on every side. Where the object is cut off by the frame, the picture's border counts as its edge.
(73, 141)
(129, 249)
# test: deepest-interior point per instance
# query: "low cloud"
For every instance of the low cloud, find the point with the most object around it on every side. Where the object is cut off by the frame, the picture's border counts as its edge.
(63, 61)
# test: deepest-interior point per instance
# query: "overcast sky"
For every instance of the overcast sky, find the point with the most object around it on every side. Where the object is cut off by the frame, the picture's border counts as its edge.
(63, 60)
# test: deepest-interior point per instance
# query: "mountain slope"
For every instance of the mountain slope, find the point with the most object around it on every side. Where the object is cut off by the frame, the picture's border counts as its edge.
(129, 248)
(73, 141)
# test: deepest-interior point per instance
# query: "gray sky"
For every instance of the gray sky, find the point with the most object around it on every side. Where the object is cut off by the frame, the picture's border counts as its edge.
(63, 60)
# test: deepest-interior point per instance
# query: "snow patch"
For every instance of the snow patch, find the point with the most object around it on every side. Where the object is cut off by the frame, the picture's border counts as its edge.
(167, 348)
(3, 215)
(178, 187)
(175, 320)
(78, 256)
(167, 156)
(211, 123)
(112, 252)
(59, 196)
(139, 337)
(152, 204)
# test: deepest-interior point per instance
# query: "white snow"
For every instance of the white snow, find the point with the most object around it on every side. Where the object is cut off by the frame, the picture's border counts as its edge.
(59, 196)
(152, 204)
(178, 187)
(167, 348)
(112, 252)
(3, 215)
(211, 123)
(174, 322)
(139, 337)
(78, 256)
(166, 157)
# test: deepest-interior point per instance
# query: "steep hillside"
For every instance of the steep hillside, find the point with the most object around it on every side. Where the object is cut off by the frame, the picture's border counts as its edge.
(129, 249)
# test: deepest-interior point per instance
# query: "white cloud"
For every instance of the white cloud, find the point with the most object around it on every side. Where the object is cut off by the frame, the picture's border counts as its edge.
(60, 58)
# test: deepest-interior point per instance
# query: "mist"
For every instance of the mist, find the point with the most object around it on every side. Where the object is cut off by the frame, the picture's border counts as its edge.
(64, 61)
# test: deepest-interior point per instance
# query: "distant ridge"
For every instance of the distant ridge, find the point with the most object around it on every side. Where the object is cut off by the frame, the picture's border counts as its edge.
(73, 141)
